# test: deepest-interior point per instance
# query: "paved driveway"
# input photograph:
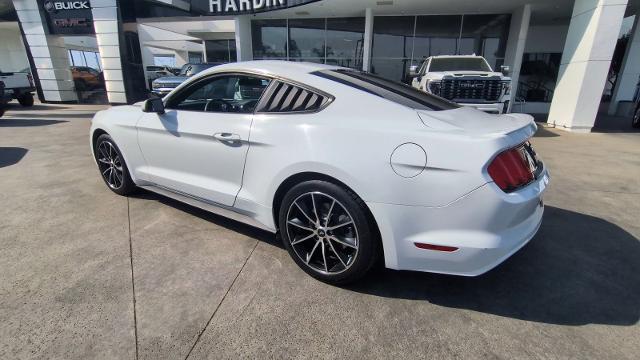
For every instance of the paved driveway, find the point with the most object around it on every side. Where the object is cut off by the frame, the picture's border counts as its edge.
(88, 274)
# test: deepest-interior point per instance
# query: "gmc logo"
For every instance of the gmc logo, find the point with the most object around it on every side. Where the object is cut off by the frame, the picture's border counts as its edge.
(472, 86)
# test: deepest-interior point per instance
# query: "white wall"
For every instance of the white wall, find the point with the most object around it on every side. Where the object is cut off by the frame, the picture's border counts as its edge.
(13, 56)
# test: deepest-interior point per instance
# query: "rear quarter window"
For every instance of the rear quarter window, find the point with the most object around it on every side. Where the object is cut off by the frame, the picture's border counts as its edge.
(391, 90)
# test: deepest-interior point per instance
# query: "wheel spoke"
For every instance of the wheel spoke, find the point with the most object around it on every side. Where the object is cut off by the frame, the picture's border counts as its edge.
(304, 213)
(104, 172)
(104, 161)
(336, 253)
(303, 239)
(340, 225)
(299, 226)
(339, 241)
(324, 258)
(326, 221)
(309, 255)
(315, 209)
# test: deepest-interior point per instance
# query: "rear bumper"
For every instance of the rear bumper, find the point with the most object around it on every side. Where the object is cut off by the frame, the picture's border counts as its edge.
(486, 226)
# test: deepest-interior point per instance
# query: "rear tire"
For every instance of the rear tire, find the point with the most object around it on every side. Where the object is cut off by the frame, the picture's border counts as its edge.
(26, 100)
(328, 232)
(112, 166)
(635, 123)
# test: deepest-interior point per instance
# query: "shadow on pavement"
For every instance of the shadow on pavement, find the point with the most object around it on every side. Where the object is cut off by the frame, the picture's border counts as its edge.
(28, 122)
(578, 270)
(11, 155)
(544, 132)
(14, 106)
(236, 226)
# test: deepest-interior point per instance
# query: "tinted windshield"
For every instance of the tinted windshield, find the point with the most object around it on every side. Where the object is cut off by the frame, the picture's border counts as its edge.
(391, 90)
(458, 64)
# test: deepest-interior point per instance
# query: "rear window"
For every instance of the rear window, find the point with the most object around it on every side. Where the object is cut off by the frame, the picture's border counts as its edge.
(391, 90)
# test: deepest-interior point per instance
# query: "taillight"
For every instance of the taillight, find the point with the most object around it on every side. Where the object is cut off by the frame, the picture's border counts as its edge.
(512, 169)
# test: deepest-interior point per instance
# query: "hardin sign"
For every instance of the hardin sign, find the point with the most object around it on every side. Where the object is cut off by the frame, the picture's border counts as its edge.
(238, 7)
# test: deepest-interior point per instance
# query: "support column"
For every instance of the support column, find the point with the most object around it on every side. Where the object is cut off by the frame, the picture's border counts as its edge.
(105, 22)
(244, 49)
(592, 37)
(518, 32)
(368, 40)
(49, 54)
(630, 71)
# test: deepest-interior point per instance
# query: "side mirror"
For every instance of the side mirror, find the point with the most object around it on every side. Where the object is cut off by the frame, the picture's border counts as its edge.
(505, 70)
(413, 70)
(154, 105)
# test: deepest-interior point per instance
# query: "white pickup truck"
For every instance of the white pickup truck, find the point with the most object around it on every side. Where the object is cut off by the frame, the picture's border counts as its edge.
(19, 86)
(465, 79)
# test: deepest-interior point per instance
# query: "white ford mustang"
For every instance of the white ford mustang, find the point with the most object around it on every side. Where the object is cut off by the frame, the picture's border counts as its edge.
(347, 166)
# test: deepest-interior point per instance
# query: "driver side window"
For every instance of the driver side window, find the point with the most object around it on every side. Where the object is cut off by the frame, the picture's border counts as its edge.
(231, 94)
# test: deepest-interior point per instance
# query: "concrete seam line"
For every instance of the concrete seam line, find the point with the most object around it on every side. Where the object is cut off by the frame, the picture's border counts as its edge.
(133, 283)
(221, 300)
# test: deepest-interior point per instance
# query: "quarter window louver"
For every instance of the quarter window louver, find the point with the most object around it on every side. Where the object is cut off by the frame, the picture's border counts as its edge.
(290, 98)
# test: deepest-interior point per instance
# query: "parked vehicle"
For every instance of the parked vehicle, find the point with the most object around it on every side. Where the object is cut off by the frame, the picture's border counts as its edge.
(87, 78)
(466, 80)
(19, 86)
(3, 99)
(347, 166)
(155, 72)
(162, 86)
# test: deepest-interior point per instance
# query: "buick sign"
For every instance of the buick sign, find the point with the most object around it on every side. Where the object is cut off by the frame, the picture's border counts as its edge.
(238, 7)
(68, 17)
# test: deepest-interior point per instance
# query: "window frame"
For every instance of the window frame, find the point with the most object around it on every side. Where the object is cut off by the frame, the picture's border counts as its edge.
(168, 101)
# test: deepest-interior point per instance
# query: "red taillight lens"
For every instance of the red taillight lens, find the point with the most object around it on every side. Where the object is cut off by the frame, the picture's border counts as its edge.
(435, 247)
(510, 169)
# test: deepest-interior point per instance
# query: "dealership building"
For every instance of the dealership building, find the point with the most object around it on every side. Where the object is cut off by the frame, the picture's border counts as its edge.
(568, 60)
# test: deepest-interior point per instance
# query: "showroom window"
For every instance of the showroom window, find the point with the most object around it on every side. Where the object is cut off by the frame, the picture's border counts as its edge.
(85, 58)
(220, 51)
(400, 42)
(336, 41)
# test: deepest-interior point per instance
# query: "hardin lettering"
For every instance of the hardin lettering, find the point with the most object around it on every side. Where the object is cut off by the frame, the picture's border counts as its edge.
(224, 6)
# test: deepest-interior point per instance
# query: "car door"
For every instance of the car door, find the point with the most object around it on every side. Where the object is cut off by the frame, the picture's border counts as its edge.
(199, 145)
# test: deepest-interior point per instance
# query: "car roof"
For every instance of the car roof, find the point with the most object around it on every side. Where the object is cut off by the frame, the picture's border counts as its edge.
(271, 67)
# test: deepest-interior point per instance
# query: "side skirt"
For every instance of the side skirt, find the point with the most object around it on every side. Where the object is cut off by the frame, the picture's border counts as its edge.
(210, 206)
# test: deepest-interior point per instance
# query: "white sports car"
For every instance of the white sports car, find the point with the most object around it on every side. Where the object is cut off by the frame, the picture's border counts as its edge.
(347, 166)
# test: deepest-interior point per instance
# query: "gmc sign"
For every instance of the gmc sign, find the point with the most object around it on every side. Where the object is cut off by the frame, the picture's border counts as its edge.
(69, 17)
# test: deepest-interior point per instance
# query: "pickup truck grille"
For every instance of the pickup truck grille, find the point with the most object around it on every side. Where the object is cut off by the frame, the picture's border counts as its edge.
(471, 90)
(166, 85)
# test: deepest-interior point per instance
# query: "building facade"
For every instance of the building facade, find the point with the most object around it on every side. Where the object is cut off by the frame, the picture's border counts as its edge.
(559, 52)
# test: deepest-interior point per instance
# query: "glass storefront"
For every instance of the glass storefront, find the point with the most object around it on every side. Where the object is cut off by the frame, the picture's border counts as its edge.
(220, 51)
(402, 41)
(336, 41)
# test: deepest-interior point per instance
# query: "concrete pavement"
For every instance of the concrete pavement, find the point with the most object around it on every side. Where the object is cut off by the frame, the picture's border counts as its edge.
(85, 273)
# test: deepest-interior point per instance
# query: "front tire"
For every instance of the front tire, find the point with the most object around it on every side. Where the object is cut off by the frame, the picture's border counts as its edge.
(26, 100)
(328, 232)
(112, 166)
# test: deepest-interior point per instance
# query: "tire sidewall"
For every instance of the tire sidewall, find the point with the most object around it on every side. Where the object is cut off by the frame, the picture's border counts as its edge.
(127, 183)
(368, 240)
(635, 121)
(26, 100)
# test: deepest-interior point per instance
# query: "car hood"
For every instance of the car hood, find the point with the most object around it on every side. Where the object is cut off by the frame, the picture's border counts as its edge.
(475, 123)
(170, 79)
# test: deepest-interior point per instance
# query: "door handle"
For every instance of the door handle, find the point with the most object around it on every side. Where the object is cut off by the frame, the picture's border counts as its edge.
(229, 137)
